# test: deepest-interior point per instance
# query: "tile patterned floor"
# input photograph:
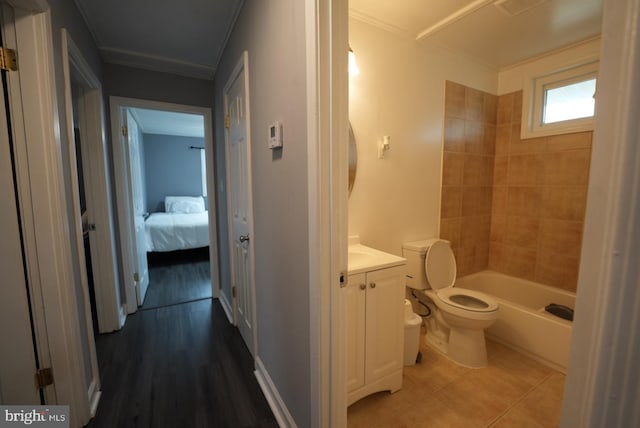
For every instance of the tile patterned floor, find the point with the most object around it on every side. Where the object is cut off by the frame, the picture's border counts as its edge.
(513, 391)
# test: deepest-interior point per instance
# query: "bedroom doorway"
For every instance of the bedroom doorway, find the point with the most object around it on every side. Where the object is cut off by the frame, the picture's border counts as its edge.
(163, 160)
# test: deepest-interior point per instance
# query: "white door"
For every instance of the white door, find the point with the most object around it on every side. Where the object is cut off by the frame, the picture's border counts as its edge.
(240, 200)
(141, 270)
(17, 356)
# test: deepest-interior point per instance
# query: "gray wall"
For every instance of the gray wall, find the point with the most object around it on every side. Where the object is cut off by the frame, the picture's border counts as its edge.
(273, 32)
(171, 168)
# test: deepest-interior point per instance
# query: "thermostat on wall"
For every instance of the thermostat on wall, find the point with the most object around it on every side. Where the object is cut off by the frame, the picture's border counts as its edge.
(275, 135)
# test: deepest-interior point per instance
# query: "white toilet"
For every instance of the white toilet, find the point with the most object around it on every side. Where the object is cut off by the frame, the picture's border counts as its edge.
(459, 318)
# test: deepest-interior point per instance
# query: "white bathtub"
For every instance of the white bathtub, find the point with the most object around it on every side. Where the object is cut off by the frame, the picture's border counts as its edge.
(522, 322)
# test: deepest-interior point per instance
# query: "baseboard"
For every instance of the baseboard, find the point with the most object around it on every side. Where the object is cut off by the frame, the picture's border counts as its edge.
(227, 307)
(278, 407)
(122, 316)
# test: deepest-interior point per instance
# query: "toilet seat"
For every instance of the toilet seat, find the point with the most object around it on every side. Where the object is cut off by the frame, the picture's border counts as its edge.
(469, 300)
(440, 267)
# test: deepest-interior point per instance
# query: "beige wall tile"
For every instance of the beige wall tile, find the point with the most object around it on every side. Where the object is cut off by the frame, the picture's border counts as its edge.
(503, 138)
(557, 270)
(523, 201)
(498, 228)
(489, 139)
(570, 167)
(505, 108)
(473, 136)
(465, 260)
(561, 237)
(525, 170)
(474, 104)
(529, 145)
(454, 105)
(522, 232)
(497, 256)
(476, 200)
(478, 170)
(454, 140)
(452, 169)
(520, 262)
(516, 116)
(481, 260)
(450, 230)
(499, 203)
(579, 140)
(500, 170)
(451, 202)
(490, 108)
(564, 202)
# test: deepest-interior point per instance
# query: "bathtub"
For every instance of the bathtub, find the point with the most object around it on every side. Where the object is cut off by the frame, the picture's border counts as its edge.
(522, 323)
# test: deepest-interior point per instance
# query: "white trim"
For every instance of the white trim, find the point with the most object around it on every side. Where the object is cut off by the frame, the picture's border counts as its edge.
(94, 383)
(276, 403)
(602, 379)
(227, 306)
(328, 130)
(122, 187)
(52, 261)
(98, 191)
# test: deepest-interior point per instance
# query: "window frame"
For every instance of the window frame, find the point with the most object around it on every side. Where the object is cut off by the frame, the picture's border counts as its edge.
(534, 101)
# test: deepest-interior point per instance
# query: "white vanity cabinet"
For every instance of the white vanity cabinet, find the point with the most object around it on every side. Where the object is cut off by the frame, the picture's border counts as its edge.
(375, 331)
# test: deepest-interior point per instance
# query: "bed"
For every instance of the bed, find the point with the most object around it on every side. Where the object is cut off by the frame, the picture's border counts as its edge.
(184, 226)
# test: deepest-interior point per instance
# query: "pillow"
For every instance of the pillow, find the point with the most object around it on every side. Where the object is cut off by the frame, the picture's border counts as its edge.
(184, 204)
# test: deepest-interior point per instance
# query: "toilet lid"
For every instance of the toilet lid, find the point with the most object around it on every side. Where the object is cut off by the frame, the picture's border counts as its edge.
(469, 300)
(440, 265)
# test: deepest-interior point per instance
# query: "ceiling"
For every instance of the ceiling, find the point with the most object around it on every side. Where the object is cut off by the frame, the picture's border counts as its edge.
(481, 29)
(183, 37)
(169, 123)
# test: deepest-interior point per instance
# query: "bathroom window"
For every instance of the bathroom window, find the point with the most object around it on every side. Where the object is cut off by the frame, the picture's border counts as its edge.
(561, 102)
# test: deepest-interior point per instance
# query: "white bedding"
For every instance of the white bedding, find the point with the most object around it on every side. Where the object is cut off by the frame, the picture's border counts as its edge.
(176, 231)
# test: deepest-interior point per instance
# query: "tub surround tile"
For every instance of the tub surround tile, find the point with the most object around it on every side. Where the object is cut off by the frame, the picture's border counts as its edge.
(503, 138)
(454, 100)
(474, 104)
(561, 237)
(578, 140)
(454, 137)
(564, 202)
(505, 109)
(489, 139)
(520, 262)
(568, 167)
(473, 136)
(452, 169)
(523, 200)
(490, 108)
(450, 230)
(522, 231)
(557, 270)
(451, 202)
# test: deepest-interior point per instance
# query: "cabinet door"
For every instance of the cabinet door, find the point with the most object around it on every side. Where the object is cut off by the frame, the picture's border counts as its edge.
(384, 322)
(355, 330)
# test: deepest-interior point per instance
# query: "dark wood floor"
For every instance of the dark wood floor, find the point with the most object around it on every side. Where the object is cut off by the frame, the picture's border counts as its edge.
(178, 366)
(177, 283)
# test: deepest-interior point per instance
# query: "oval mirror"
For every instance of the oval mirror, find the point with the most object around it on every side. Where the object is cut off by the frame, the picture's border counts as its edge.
(353, 158)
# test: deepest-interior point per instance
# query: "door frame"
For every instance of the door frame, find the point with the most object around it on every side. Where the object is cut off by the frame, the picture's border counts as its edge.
(123, 189)
(327, 34)
(231, 308)
(40, 171)
(98, 190)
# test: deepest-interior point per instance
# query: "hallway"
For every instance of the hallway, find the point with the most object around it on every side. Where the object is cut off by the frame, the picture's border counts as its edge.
(179, 366)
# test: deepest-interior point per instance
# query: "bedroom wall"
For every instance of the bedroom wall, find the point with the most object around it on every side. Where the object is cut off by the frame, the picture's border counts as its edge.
(171, 168)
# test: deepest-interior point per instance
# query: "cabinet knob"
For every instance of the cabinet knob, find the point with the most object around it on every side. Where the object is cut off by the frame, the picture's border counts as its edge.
(363, 286)
(372, 285)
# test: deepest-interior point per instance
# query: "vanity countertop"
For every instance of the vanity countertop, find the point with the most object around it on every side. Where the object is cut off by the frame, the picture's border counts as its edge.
(364, 259)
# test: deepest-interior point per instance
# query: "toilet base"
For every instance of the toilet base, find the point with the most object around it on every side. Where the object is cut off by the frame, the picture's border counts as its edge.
(465, 347)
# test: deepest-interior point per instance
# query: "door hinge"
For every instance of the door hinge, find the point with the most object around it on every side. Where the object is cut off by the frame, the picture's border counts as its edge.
(8, 59)
(44, 377)
(227, 122)
(136, 277)
(343, 280)
(233, 291)
(125, 131)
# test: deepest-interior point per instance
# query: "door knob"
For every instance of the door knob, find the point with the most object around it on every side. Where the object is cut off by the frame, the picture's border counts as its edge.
(243, 238)
(372, 285)
(363, 286)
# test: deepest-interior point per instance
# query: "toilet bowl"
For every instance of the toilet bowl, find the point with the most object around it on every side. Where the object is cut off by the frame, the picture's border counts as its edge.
(461, 315)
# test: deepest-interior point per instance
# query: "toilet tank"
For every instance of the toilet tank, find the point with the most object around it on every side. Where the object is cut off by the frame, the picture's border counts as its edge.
(414, 252)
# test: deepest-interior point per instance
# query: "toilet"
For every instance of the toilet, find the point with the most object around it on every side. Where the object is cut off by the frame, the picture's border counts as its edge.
(458, 316)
